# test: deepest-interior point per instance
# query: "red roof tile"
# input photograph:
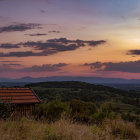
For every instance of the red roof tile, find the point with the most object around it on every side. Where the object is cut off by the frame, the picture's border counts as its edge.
(18, 95)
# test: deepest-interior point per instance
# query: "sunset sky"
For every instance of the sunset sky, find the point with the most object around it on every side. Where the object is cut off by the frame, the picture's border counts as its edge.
(42, 38)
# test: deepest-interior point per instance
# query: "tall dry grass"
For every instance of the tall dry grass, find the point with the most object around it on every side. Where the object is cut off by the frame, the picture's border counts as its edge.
(66, 130)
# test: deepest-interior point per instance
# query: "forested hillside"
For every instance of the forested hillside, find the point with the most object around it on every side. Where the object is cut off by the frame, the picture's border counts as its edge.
(66, 91)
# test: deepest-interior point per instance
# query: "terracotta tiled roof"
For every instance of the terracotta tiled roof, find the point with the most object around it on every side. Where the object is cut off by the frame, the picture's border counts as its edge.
(18, 95)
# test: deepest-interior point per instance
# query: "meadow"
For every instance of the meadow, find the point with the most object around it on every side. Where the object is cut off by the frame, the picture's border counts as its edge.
(63, 129)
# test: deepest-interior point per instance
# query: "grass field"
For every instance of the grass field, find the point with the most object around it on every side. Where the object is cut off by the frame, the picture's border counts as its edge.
(26, 129)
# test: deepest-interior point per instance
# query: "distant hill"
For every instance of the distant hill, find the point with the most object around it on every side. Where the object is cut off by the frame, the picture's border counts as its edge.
(132, 84)
(12, 84)
(72, 78)
(79, 86)
(73, 85)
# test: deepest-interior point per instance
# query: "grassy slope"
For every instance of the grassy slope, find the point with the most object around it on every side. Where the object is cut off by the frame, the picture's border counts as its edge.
(66, 130)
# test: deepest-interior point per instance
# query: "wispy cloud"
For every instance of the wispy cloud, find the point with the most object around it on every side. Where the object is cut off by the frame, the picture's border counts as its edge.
(130, 66)
(20, 54)
(10, 61)
(51, 46)
(43, 11)
(37, 34)
(19, 27)
(78, 41)
(54, 31)
(9, 46)
(34, 68)
(45, 68)
(11, 64)
(133, 52)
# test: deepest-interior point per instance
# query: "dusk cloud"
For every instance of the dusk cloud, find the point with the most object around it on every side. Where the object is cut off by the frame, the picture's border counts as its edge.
(78, 41)
(34, 68)
(37, 34)
(43, 11)
(11, 64)
(6, 68)
(20, 54)
(19, 27)
(51, 46)
(45, 68)
(133, 52)
(10, 61)
(9, 46)
(130, 66)
(54, 31)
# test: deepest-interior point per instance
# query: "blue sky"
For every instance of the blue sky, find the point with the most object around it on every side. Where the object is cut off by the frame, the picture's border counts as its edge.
(30, 10)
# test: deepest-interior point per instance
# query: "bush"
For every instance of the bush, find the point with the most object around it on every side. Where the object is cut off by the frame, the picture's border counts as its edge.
(51, 111)
(5, 110)
(104, 112)
(124, 131)
(137, 123)
(128, 117)
(50, 135)
(82, 111)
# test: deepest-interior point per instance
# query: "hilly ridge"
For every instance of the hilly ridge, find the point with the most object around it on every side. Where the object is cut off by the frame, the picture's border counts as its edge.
(126, 84)
(124, 101)
(72, 78)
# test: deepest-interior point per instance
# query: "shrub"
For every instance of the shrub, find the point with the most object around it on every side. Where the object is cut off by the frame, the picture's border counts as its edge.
(98, 117)
(124, 131)
(51, 111)
(137, 123)
(50, 135)
(82, 111)
(128, 117)
(104, 112)
(5, 110)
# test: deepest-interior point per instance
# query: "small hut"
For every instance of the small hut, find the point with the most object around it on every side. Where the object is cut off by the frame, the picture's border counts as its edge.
(22, 100)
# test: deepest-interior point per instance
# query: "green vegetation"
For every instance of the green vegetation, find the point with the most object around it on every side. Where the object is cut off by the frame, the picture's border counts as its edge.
(105, 112)
(124, 131)
(51, 111)
(77, 111)
(5, 110)
(63, 129)
(80, 95)
(81, 111)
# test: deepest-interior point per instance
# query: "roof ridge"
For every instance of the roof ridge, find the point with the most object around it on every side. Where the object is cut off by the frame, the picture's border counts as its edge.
(16, 92)
(13, 88)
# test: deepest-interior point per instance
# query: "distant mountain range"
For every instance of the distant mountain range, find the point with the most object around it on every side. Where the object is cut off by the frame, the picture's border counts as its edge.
(132, 84)
(95, 80)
